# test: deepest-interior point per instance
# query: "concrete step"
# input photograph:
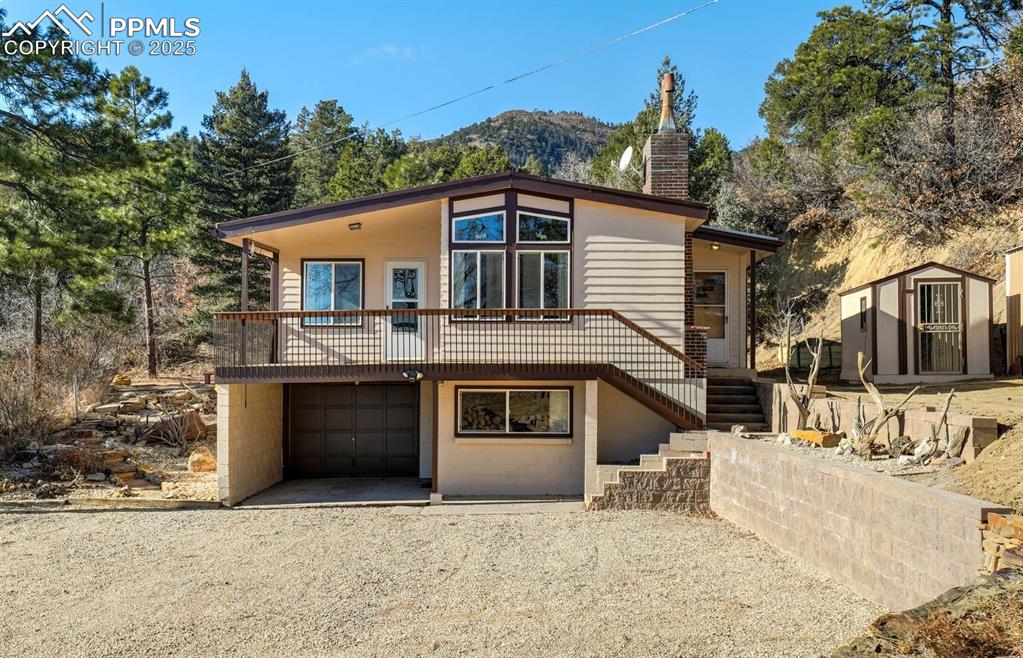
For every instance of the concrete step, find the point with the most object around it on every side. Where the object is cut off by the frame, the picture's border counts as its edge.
(757, 417)
(720, 408)
(727, 427)
(731, 390)
(728, 381)
(733, 399)
(655, 462)
(687, 441)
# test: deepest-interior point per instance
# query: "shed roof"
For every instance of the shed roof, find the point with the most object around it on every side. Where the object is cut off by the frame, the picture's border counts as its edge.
(922, 266)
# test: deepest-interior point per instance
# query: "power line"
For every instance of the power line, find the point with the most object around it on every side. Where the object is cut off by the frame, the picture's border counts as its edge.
(494, 85)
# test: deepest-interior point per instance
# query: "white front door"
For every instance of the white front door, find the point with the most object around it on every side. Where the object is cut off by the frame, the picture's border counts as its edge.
(711, 302)
(404, 339)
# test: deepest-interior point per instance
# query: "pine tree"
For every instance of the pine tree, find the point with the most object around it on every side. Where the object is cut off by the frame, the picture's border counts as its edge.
(603, 169)
(241, 170)
(363, 162)
(53, 153)
(319, 139)
(150, 211)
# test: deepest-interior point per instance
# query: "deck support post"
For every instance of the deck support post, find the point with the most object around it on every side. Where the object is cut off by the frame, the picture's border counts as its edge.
(246, 249)
(753, 310)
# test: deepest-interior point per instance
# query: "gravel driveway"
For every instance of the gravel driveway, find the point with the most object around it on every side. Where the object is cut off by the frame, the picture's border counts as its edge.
(393, 581)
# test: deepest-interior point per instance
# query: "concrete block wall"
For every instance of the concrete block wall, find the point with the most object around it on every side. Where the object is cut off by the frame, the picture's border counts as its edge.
(981, 431)
(250, 452)
(894, 542)
(682, 486)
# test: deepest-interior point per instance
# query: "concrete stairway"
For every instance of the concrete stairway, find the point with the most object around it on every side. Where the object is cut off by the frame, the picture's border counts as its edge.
(676, 478)
(733, 401)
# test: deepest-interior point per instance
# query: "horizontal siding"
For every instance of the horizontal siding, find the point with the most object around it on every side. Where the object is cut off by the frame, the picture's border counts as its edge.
(632, 262)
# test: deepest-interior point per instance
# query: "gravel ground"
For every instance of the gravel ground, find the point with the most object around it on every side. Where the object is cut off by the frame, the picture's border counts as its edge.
(393, 581)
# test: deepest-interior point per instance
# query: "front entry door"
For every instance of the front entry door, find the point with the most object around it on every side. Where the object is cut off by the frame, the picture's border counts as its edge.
(940, 327)
(406, 289)
(710, 304)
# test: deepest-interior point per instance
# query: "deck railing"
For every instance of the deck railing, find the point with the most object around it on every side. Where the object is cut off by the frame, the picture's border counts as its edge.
(305, 345)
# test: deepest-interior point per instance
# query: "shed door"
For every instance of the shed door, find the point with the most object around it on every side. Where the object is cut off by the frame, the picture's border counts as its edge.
(940, 327)
(348, 430)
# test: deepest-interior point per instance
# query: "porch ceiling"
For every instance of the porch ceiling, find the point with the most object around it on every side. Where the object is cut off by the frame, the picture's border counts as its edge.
(330, 231)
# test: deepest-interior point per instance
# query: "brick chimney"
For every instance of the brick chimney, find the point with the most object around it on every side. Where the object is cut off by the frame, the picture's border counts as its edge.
(666, 152)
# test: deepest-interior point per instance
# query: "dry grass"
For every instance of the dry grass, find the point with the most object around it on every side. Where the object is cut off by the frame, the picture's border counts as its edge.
(990, 631)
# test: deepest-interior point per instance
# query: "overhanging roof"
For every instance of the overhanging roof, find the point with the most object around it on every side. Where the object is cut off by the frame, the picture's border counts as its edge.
(465, 187)
(911, 270)
(738, 238)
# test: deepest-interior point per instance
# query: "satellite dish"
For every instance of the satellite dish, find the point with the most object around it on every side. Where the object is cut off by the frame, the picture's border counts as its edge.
(623, 162)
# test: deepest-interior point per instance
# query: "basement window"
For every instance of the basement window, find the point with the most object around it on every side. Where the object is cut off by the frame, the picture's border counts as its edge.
(527, 412)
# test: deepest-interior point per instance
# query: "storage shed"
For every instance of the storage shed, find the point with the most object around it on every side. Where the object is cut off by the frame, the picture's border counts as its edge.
(1014, 310)
(930, 323)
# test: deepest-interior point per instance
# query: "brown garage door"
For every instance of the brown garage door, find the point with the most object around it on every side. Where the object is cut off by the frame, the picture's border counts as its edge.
(348, 430)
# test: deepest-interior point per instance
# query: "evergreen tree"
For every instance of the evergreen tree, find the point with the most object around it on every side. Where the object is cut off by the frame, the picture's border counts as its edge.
(857, 69)
(53, 152)
(241, 133)
(480, 160)
(363, 161)
(603, 169)
(150, 211)
(959, 37)
(534, 166)
(318, 140)
(710, 163)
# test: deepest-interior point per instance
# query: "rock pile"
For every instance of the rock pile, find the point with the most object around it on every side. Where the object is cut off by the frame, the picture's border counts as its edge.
(1002, 541)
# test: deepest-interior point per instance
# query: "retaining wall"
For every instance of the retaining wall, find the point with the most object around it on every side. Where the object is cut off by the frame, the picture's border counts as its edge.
(838, 414)
(895, 542)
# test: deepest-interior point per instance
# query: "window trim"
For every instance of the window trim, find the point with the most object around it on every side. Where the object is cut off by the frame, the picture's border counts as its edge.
(362, 291)
(560, 437)
(518, 301)
(518, 222)
(479, 281)
(484, 213)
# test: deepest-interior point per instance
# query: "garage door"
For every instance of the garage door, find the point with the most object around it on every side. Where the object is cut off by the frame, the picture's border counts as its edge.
(348, 430)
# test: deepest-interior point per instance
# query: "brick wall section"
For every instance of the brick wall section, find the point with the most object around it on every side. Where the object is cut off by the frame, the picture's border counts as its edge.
(249, 439)
(689, 303)
(666, 161)
(894, 542)
(696, 348)
(683, 486)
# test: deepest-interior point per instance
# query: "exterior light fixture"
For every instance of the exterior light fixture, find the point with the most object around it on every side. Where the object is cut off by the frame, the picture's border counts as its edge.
(715, 246)
(355, 226)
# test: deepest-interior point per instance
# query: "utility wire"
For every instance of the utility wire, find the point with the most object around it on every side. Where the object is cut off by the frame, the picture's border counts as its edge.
(494, 85)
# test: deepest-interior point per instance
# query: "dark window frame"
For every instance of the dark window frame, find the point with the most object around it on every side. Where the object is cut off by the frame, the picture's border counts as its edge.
(460, 434)
(511, 209)
(362, 291)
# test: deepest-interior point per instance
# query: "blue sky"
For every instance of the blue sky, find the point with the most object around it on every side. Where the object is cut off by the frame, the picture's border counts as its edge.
(382, 60)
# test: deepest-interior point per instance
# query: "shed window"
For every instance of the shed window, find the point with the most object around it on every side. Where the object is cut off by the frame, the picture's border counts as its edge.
(515, 412)
(863, 313)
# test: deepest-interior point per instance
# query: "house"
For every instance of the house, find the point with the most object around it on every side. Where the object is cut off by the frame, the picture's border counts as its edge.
(498, 335)
(1014, 310)
(930, 323)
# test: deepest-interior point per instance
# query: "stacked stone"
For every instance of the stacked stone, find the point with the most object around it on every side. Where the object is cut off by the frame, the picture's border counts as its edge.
(682, 486)
(1002, 541)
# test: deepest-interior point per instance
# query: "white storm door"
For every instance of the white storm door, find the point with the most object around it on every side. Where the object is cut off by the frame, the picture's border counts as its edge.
(404, 336)
(710, 305)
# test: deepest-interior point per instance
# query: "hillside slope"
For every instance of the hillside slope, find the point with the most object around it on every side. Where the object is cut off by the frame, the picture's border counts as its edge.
(550, 136)
(822, 266)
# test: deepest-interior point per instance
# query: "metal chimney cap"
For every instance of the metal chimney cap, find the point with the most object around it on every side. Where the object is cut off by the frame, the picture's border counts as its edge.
(667, 122)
